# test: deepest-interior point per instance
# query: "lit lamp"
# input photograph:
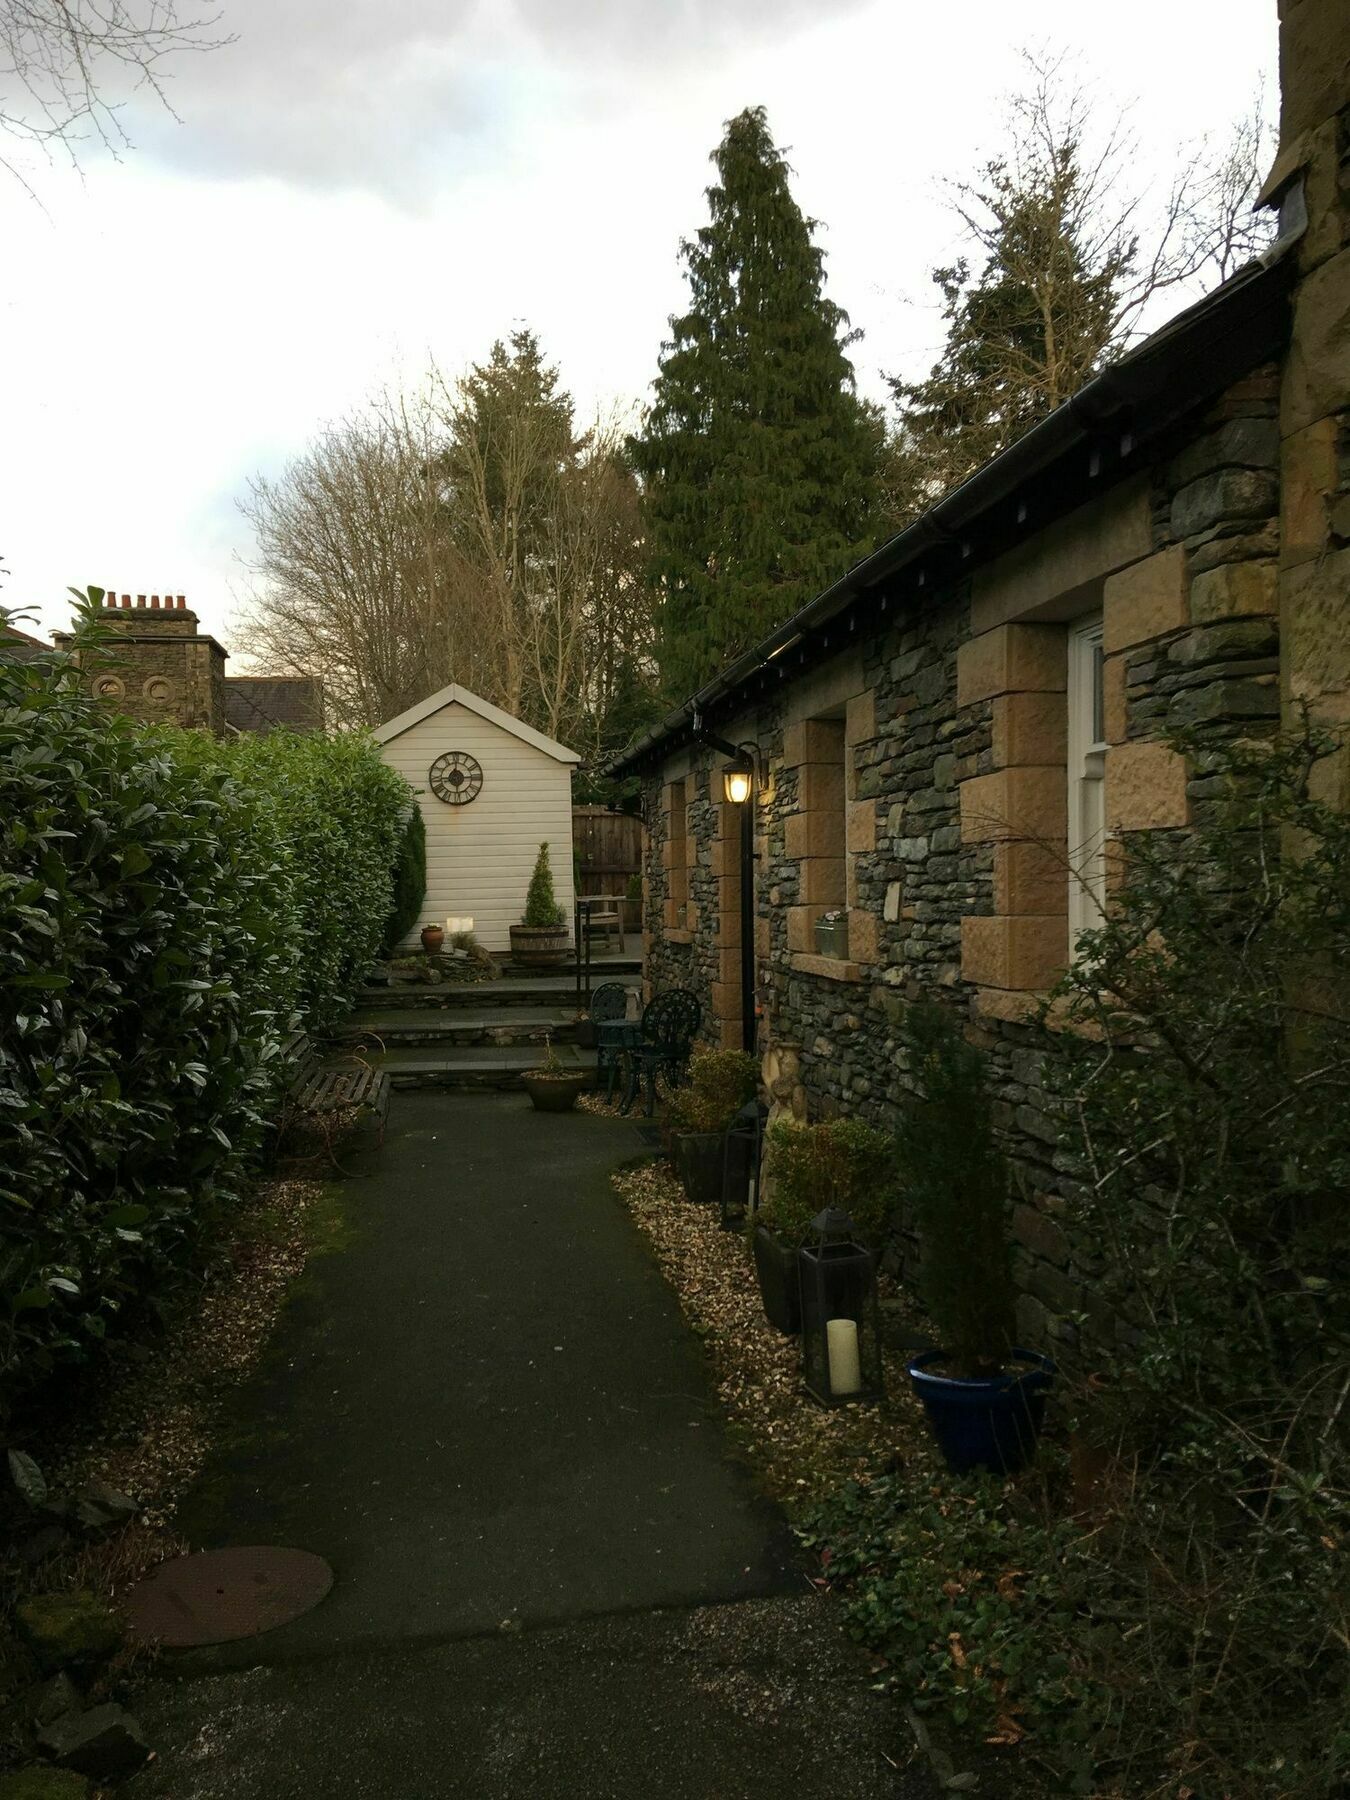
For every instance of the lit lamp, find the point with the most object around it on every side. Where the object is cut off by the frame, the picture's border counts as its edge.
(737, 780)
(453, 927)
(841, 1326)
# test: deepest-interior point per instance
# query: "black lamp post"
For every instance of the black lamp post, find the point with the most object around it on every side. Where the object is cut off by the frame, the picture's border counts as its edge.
(740, 777)
(841, 1324)
(741, 1150)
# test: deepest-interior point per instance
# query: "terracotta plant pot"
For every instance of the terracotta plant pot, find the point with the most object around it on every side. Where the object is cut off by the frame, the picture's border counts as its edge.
(539, 946)
(553, 1093)
(433, 936)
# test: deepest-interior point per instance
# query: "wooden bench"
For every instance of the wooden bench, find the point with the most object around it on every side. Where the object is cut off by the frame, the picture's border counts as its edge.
(318, 1090)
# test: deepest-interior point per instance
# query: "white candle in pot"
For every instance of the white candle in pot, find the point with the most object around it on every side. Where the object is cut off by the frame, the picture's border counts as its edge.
(841, 1344)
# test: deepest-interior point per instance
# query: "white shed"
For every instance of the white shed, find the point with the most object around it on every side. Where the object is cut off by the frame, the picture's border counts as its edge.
(491, 789)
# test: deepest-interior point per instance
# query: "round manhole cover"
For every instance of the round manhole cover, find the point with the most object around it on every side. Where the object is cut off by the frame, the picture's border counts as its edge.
(220, 1595)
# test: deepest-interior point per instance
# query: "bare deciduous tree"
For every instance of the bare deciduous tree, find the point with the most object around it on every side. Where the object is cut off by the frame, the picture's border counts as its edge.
(463, 533)
(67, 66)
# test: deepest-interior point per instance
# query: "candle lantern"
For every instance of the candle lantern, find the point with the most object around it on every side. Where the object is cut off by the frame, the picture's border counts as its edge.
(841, 1324)
(741, 1150)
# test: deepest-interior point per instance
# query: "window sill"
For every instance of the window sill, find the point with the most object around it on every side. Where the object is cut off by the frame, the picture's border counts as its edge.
(677, 935)
(1015, 1006)
(828, 968)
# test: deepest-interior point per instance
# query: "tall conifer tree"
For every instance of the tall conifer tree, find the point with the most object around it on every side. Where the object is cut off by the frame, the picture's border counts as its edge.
(758, 460)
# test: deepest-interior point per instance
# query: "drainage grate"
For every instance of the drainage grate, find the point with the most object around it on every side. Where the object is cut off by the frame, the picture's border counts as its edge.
(220, 1595)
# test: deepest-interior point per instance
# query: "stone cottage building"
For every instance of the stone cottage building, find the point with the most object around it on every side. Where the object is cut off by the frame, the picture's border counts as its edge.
(166, 670)
(948, 735)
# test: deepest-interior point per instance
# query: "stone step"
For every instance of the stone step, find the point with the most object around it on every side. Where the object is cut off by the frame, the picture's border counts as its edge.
(398, 1025)
(480, 1066)
(542, 992)
(602, 969)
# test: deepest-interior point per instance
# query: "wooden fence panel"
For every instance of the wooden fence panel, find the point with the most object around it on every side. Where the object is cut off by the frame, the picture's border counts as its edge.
(608, 848)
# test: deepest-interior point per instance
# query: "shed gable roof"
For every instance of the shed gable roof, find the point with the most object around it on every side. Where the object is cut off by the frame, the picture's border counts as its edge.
(455, 695)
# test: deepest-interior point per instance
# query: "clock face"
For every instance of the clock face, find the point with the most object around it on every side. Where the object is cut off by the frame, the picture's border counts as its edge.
(456, 777)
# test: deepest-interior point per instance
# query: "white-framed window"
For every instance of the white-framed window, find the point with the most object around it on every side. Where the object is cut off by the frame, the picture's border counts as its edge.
(1087, 766)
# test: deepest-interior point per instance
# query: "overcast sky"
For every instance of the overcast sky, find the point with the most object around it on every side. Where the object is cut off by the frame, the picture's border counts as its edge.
(359, 184)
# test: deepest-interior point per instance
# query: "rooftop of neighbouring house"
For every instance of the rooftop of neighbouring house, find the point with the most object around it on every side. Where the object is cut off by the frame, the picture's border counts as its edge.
(268, 702)
(22, 645)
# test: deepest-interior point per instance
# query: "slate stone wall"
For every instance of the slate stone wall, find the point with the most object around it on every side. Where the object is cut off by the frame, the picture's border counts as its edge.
(1206, 654)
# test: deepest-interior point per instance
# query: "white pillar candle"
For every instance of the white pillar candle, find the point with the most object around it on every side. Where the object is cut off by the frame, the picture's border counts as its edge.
(841, 1343)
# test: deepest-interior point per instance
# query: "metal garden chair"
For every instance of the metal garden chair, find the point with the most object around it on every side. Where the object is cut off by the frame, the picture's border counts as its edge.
(613, 1032)
(661, 1045)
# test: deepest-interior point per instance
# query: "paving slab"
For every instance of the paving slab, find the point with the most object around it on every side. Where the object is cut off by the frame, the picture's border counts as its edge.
(488, 1406)
(761, 1700)
(484, 1409)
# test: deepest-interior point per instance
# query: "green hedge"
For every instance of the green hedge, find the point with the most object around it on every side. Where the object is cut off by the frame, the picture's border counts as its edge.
(168, 907)
(410, 881)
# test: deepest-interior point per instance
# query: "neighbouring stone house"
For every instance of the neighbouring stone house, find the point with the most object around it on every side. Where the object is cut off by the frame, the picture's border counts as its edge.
(166, 670)
(976, 707)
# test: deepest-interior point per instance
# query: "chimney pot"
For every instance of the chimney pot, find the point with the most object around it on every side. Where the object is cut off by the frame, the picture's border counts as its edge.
(140, 599)
(182, 603)
(154, 600)
(126, 599)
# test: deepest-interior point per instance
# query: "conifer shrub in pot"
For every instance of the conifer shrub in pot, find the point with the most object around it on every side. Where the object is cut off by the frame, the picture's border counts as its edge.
(842, 1163)
(540, 940)
(700, 1113)
(984, 1396)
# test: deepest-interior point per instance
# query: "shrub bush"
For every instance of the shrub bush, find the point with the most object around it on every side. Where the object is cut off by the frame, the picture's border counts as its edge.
(168, 905)
(955, 1181)
(410, 881)
(720, 1084)
(1209, 1090)
(1189, 1635)
(839, 1162)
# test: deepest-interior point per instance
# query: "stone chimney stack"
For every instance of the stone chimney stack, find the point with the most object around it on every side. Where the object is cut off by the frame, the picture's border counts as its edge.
(167, 671)
(1310, 183)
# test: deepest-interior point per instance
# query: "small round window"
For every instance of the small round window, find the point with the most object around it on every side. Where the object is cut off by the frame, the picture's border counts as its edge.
(156, 688)
(109, 687)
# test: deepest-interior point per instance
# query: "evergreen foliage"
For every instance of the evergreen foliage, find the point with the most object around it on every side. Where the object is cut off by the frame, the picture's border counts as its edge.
(844, 1163)
(955, 1185)
(757, 458)
(1026, 328)
(169, 908)
(720, 1083)
(410, 882)
(542, 910)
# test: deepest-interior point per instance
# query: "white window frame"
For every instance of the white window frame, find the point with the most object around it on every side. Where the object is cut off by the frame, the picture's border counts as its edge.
(1087, 784)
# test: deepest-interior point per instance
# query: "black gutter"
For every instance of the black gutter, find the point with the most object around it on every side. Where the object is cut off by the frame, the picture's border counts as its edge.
(1189, 360)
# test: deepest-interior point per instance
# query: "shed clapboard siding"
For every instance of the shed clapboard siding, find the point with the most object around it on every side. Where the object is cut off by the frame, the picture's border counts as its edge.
(480, 856)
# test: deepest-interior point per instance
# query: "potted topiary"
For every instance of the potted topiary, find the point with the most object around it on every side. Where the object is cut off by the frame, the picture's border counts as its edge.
(540, 940)
(720, 1082)
(984, 1396)
(551, 1087)
(840, 1163)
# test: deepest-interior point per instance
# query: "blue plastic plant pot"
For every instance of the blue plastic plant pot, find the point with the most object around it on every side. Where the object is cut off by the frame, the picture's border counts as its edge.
(989, 1424)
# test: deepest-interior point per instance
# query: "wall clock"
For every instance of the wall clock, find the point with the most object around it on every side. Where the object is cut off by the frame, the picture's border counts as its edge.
(456, 777)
